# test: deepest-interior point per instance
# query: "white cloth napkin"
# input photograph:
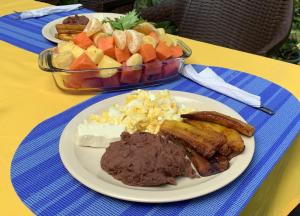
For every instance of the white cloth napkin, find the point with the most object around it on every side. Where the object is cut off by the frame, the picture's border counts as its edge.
(48, 10)
(209, 79)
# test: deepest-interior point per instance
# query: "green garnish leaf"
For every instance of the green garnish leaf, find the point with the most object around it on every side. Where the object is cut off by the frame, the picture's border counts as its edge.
(128, 21)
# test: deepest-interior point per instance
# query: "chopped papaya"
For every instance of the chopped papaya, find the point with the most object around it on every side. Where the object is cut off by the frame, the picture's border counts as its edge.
(83, 62)
(110, 52)
(105, 43)
(155, 36)
(176, 51)
(82, 40)
(147, 52)
(163, 51)
(122, 55)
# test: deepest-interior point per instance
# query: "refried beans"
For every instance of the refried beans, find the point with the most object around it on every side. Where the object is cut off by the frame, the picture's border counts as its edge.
(144, 159)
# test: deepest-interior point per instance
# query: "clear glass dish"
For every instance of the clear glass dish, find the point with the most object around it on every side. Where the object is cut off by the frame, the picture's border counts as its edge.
(125, 77)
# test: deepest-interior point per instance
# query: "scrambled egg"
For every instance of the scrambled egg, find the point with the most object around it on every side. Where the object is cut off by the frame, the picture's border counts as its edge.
(143, 111)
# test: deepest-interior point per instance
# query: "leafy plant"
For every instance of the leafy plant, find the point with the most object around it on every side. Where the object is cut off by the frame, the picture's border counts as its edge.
(290, 50)
(142, 4)
(130, 20)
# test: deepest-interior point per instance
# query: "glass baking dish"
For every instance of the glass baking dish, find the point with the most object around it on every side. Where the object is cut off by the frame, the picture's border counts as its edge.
(125, 77)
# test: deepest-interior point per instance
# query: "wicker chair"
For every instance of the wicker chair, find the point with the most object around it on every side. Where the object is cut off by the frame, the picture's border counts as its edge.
(115, 6)
(255, 26)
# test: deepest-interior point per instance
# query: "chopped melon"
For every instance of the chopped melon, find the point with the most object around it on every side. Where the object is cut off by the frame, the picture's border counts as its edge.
(62, 59)
(95, 54)
(65, 46)
(108, 62)
(77, 51)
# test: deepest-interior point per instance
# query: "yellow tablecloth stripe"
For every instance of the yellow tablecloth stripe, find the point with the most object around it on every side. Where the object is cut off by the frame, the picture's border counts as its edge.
(28, 96)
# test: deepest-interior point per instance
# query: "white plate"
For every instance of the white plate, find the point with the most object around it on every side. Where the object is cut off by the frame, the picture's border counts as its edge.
(84, 163)
(49, 29)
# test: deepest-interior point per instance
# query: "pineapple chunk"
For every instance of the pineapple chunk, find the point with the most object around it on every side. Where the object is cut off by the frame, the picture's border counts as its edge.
(160, 31)
(149, 40)
(145, 28)
(77, 51)
(108, 62)
(135, 59)
(65, 46)
(62, 59)
(95, 54)
(168, 40)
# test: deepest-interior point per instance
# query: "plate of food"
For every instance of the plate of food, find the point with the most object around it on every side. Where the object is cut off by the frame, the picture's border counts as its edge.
(157, 146)
(62, 29)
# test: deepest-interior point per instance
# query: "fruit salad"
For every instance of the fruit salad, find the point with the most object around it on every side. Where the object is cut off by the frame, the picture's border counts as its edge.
(115, 53)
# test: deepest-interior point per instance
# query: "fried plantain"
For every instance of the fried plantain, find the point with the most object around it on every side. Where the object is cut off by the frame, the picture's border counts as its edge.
(62, 28)
(221, 119)
(234, 139)
(65, 37)
(207, 167)
(206, 142)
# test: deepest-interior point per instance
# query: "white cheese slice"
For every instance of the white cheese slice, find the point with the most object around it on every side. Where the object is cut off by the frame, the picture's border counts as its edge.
(98, 135)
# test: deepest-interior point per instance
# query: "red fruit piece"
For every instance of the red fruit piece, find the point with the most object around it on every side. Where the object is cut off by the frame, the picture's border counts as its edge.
(82, 40)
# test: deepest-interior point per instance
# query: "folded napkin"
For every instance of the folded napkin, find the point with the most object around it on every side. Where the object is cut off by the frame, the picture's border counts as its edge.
(209, 79)
(48, 10)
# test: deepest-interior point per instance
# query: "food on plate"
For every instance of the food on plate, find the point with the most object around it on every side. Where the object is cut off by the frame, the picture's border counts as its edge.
(93, 26)
(142, 111)
(219, 118)
(234, 139)
(65, 37)
(205, 142)
(98, 135)
(144, 159)
(70, 27)
(76, 20)
(207, 167)
(158, 141)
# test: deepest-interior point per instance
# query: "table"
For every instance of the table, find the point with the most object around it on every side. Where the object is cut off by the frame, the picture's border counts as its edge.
(29, 96)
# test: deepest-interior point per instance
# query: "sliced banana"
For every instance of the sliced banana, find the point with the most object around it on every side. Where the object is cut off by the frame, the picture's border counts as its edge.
(133, 40)
(145, 28)
(119, 38)
(106, 28)
(98, 35)
(149, 40)
(93, 26)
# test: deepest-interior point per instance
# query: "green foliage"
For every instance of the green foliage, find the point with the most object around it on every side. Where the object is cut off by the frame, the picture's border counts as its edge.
(169, 27)
(130, 20)
(290, 50)
(142, 4)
